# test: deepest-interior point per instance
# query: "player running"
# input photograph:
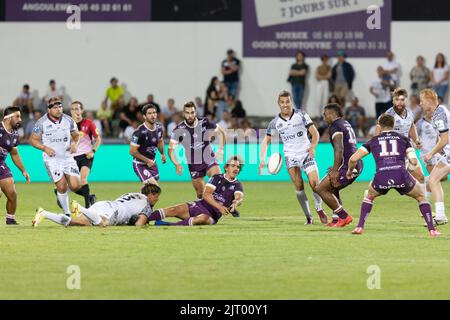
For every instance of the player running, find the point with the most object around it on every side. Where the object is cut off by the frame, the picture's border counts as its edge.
(223, 194)
(194, 134)
(440, 117)
(84, 156)
(299, 152)
(404, 124)
(56, 134)
(389, 150)
(128, 209)
(9, 139)
(343, 139)
(145, 140)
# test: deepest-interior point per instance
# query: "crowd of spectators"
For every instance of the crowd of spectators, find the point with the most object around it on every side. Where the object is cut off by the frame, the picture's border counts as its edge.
(119, 115)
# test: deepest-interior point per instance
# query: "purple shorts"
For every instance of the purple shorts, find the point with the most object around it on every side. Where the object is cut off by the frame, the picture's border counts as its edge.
(144, 172)
(5, 173)
(400, 180)
(199, 170)
(199, 207)
(343, 181)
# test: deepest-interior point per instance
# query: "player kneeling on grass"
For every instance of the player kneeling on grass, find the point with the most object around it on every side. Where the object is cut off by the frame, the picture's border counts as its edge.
(128, 209)
(389, 150)
(223, 193)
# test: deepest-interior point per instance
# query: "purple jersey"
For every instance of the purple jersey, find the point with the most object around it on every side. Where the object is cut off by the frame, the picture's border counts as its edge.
(8, 140)
(389, 150)
(147, 140)
(341, 126)
(224, 191)
(196, 140)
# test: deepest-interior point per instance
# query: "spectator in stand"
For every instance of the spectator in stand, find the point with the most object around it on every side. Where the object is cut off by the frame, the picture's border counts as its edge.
(52, 92)
(128, 133)
(128, 114)
(342, 75)
(381, 90)
(414, 106)
(104, 114)
(248, 131)
(151, 100)
(323, 76)
(238, 111)
(37, 114)
(439, 76)
(225, 122)
(297, 79)
(441, 101)
(233, 130)
(115, 95)
(230, 72)
(356, 116)
(25, 102)
(419, 75)
(200, 107)
(177, 118)
(221, 104)
(169, 111)
(391, 67)
(212, 97)
(335, 99)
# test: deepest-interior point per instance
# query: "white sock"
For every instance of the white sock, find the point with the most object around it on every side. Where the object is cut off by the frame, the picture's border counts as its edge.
(440, 210)
(303, 200)
(58, 218)
(64, 201)
(317, 201)
(92, 215)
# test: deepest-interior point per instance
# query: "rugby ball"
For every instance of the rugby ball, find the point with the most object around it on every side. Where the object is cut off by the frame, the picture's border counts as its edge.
(274, 163)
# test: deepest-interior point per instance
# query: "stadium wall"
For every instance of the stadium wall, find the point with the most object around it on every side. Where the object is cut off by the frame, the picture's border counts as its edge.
(113, 164)
(175, 60)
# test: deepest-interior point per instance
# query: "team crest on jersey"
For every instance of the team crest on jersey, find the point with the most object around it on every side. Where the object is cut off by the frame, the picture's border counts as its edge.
(8, 142)
(232, 187)
(280, 125)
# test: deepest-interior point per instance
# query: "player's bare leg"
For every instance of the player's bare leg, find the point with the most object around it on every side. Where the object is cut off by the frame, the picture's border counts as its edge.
(439, 171)
(62, 193)
(9, 189)
(199, 186)
(213, 171)
(425, 208)
(296, 178)
(151, 180)
(181, 211)
(327, 192)
(313, 179)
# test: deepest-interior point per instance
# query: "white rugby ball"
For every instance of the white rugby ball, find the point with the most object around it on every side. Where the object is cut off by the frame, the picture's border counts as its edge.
(274, 163)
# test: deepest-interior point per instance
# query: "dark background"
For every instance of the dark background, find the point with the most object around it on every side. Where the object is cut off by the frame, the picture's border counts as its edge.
(230, 10)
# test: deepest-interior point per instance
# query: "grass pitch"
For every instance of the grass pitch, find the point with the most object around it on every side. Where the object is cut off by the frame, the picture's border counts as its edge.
(267, 253)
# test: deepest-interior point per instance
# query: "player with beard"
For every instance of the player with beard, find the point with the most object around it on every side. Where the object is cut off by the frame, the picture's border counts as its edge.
(145, 140)
(85, 152)
(194, 134)
(9, 139)
(343, 139)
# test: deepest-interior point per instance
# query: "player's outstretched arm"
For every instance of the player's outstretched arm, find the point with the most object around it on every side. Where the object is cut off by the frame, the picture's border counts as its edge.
(414, 136)
(172, 145)
(98, 142)
(141, 220)
(442, 142)
(223, 140)
(15, 156)
(263, 152)
(315, 136)
(75, 135)
(35, 141)
(358, 155)
(161, 150)
(208, 197)
(134, 151)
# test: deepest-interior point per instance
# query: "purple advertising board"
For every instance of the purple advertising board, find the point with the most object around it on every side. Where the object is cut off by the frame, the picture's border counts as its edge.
(280, 28)
(91, 10)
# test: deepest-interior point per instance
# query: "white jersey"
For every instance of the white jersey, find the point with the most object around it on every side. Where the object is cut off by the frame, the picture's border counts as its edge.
(428, 135)
(56, 135)
(126, 207)
(441, 122)
(293, 132)
(402, 124)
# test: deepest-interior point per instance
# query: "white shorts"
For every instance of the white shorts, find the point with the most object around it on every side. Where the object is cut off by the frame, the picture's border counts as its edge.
(443, 159)
(304, 162)
(432, 162)
(110, 211)
(57, 168)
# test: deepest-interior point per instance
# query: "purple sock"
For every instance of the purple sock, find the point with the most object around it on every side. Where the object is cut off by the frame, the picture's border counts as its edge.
(366, 207)
(185, 222)
(157, 215)
(341, 213)
(425, 210)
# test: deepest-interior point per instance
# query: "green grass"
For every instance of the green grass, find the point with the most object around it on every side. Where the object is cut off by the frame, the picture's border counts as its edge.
(267, 253)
